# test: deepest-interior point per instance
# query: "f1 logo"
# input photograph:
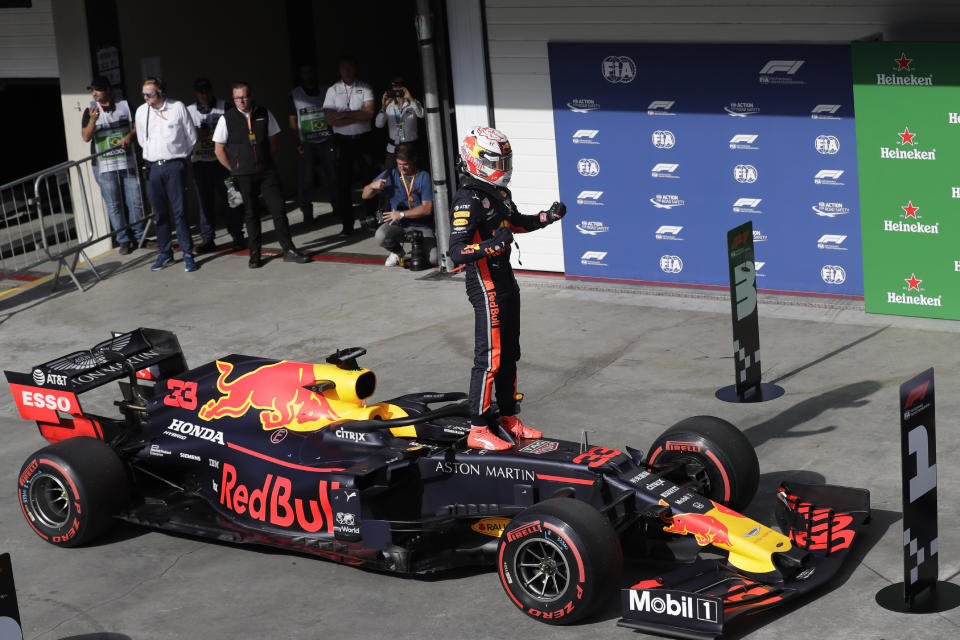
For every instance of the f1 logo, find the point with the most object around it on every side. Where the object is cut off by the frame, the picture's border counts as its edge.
(826, 108)
(829, 174)
(661, 104)
(789, 67)
(829, 238)
(663, 166)
(919, 393)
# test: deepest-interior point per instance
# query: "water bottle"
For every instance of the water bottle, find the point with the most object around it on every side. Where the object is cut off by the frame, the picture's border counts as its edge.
(234, 199)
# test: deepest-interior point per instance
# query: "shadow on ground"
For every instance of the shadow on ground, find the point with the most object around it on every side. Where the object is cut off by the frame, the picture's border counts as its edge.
(784, 425)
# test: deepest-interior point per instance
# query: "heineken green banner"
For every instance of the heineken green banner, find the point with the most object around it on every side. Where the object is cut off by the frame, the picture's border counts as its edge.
(907, 101)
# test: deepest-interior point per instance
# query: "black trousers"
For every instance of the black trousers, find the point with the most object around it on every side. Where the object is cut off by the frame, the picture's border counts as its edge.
(496, 311)
(354, 163)
(266, 184)
(208, 180)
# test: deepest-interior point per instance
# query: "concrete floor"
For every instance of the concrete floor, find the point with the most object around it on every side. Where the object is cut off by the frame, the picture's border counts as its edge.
(624, 362)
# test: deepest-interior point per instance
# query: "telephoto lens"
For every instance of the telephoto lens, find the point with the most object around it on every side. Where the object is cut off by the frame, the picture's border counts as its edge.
(415, 237)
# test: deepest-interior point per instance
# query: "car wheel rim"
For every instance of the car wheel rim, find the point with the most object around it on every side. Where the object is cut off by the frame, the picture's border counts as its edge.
(49, 501)
(543, 569)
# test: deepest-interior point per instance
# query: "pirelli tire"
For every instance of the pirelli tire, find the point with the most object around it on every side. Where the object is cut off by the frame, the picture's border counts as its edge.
(559, 560)
(710, 455)
(70, 490)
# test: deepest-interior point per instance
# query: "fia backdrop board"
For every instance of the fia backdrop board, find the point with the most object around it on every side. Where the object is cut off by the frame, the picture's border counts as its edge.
(908, 136)
(661, 148)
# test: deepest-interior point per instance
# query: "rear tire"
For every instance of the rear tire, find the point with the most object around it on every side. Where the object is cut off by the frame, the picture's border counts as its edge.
(559, 559)
(70, 490)
(711, 456)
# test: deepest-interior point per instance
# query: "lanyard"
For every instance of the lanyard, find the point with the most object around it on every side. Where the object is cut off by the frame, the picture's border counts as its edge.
(146, 137)
(252, 137)
(406, 188)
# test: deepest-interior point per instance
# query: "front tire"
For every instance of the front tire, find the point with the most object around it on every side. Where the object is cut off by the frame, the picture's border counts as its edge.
(712, 457)
(70, 490)
(558, 559)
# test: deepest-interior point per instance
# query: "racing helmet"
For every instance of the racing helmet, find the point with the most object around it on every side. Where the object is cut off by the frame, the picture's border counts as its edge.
(486, 155)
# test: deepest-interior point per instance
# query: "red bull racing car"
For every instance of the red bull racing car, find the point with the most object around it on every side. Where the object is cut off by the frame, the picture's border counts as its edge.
(293, 455)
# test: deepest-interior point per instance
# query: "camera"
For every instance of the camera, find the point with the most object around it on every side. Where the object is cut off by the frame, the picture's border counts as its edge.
(415, 238)
(394, 93)
(372, 222)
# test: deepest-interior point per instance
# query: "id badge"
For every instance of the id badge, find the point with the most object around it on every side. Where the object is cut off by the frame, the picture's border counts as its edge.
(253, 139)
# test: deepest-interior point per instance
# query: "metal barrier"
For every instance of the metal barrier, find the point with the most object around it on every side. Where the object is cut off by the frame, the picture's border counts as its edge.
(55, 214)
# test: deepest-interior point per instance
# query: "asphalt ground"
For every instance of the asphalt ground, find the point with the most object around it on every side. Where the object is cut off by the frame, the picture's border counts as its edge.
(622, 362)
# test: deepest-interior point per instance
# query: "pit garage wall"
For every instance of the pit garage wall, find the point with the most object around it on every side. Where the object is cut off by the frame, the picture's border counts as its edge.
(518, 32)
(27, 47)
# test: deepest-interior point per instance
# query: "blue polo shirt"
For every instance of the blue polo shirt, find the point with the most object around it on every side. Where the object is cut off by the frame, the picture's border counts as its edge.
(421, 191)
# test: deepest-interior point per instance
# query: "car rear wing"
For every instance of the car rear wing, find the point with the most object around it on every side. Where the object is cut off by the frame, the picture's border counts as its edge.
(51, 389)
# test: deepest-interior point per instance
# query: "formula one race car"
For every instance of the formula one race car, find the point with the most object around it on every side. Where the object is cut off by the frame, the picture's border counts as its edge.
(291, 454)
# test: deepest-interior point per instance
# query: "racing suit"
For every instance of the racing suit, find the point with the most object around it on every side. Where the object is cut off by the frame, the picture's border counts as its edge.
(482, 214)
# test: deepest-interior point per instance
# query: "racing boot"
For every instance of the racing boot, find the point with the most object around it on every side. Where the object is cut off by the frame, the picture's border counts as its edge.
(518, 429)
(482, 438)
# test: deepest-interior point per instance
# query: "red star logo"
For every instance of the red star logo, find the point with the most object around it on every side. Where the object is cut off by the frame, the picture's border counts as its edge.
(911, 210)
(903, 62)
(913, 282)
(906, 137)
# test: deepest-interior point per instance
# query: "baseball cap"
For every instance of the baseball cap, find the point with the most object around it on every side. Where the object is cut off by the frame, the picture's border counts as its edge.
(99, 83)
(202, 84)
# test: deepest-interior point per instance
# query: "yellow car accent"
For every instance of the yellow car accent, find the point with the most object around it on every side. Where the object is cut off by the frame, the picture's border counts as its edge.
(492, 527)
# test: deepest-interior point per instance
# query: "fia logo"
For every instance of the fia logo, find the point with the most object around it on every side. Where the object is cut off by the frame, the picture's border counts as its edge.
(671, 264)
(827, 145)
(745, 173)
(618, 69)
(663, 139)
(833, 274)
(588, 167)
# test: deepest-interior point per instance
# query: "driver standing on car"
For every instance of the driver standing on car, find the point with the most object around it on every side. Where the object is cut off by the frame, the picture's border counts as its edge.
(484, 221)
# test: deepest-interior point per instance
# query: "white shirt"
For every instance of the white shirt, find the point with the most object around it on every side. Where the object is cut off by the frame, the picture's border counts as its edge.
(220, 133)
(204, 122)
(341, 97)
(401, 122)
(165, 133)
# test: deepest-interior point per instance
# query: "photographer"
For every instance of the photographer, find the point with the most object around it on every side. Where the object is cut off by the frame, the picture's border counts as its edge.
(399, 111)
(409, 193)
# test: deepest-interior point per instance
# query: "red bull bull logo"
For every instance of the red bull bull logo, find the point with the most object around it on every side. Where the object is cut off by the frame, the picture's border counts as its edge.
(277, 390)
(706, 529)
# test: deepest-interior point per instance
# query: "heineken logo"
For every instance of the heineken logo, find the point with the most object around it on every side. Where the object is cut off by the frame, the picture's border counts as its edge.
(907, 138)
(903, 64)
(911, 80)
(915, 227)
(919, 300)
(910, 211)
(913, 282)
